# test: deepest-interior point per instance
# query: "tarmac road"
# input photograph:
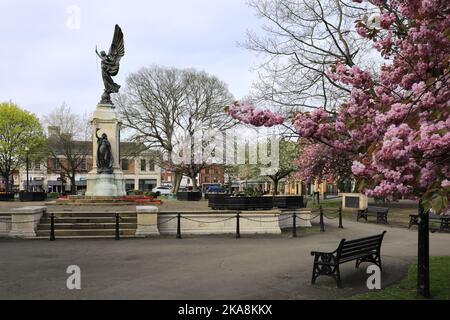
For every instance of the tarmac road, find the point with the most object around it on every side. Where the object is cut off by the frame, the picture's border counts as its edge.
(214, 267)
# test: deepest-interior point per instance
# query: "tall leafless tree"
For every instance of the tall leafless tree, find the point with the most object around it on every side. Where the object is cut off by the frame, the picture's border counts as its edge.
(301, 40)
(162, 106)
(68, 142)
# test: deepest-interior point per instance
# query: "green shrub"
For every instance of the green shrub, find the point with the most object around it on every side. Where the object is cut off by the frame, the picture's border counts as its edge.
(54, 195)
(151, 194)
(250, 192)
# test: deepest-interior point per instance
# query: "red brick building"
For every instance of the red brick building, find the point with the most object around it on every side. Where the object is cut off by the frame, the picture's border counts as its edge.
(212, 174)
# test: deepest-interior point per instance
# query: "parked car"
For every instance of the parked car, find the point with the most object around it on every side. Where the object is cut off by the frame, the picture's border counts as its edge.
(162, 190)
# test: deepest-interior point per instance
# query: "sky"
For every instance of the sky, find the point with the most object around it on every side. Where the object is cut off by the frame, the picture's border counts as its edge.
(47, 50)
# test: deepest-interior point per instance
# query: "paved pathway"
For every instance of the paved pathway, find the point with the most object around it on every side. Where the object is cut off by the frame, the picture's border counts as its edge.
(274, 267)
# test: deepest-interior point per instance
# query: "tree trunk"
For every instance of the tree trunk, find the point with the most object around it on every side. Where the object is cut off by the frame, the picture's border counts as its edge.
(73, 186)
(6, 178)
(194, 183)
(275, 186)
(177, 181)
(423, 263)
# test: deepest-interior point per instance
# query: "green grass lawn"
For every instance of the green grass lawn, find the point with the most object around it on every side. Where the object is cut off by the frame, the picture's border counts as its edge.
(332, 204)
(406, 289)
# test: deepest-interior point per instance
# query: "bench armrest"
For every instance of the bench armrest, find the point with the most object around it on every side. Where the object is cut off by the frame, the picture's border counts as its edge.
(318, 253)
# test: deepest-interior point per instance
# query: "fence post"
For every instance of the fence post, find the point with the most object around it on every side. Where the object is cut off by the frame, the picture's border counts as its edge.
(238, 225)
(322, 226)
(294, 225)
(340, 219)
(179, 226)
(117, 238)
(52, 227)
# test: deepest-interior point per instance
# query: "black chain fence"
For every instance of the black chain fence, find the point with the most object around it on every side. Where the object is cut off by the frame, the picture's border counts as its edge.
(321, 213)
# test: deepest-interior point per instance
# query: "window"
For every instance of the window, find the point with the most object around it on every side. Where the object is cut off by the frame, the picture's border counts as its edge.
(207, 171)
(143, 165)
(37, 165)
(151, 166)
(125, 165)
(56, 164)
(83, 165)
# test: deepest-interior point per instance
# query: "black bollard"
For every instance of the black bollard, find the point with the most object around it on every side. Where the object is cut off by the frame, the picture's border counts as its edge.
(179, 226)
(340, 219)
(322, 225)
(52, 227)
(238, 226)
(294, 225)
(117, 227)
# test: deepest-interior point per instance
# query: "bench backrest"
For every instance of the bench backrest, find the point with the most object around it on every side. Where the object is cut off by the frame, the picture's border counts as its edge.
(377, 209)
(348, 249)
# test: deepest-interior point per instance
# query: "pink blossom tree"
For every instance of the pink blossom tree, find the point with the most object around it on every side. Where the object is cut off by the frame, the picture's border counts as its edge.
(396, 124)
(319, 161)
(246, 113)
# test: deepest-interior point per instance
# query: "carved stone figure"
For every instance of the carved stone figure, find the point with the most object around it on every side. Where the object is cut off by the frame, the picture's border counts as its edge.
(105, 161)
(111, 65)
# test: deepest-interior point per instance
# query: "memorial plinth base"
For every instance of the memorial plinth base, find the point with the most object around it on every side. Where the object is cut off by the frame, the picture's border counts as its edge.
(106, 121)
(105, 185)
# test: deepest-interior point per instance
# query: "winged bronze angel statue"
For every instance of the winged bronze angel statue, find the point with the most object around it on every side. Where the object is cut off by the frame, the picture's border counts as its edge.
(111, 65)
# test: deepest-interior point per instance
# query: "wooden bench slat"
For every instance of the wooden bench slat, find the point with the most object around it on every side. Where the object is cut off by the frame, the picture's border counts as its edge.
(360, 248)
(373, 240)
(360, 240)
(377, 209)
(353, 258)
(358, 252)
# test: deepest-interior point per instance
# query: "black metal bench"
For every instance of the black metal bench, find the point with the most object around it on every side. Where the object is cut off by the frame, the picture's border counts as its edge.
(443, 220)
(379, 212)
(359, 250)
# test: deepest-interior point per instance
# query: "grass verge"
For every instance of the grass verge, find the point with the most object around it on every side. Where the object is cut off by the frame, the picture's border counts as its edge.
(406, 289)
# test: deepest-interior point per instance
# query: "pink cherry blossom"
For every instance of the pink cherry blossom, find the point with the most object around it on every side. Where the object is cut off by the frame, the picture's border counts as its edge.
(248, 114)
(394, 129)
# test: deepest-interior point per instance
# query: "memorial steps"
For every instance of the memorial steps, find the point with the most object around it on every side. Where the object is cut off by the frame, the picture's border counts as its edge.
(93, 225)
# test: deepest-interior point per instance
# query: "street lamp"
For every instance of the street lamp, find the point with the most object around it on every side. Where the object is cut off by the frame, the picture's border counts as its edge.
(27, 160)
